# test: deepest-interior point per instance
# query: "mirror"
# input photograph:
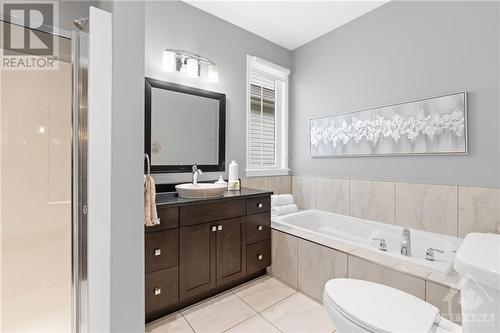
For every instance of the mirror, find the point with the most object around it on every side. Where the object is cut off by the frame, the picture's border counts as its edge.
(183, 126)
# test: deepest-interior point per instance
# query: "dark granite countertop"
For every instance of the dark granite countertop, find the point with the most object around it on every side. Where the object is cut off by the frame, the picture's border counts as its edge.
(171, 199)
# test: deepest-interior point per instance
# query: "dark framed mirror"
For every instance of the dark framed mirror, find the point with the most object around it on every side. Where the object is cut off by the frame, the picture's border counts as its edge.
(183, 126)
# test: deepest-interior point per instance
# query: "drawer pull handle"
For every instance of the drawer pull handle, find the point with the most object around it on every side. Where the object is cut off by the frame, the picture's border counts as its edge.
(259, 205)
(157, 252)
(260, 257)
(259, 228)
(157, 291)
(214, 228)
(219, 228)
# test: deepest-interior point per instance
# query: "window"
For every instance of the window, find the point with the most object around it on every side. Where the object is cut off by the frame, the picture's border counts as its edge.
(267, 118)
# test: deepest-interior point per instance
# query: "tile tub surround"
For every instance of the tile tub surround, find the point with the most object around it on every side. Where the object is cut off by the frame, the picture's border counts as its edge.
(373, 200)
(333, 195)
(444, 209)
(304, 192)
(277, 184)
(286, 249)
(318, 264)
(264, 305)
(427, 207)
(478, 209)
(316, 261)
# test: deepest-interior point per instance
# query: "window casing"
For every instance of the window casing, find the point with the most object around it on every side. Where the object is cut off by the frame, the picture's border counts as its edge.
(267, 118)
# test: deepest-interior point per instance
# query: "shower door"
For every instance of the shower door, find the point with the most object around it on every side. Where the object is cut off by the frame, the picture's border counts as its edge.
(41, 175)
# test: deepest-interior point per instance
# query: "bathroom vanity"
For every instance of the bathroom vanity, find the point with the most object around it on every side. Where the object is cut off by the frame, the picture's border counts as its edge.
(204, 246)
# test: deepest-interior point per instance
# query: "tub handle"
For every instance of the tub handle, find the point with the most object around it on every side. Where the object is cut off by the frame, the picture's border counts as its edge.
(429, 254)
(382, 245)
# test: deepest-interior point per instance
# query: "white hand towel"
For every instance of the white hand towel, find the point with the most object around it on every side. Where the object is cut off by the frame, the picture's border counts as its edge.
(285, 209)
(281, 199)
(150, 213)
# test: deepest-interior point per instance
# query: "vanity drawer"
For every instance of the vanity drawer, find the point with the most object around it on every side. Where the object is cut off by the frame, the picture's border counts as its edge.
(201, 213)
(258, 256)
(258, 227)
(162, 289)
(169, 219)
(161, 249)
(258, 205)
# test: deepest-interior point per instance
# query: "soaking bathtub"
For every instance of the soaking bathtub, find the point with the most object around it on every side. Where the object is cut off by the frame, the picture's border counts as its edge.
(360, 233)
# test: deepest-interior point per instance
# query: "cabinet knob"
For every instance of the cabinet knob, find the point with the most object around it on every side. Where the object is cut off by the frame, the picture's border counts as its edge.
(219, 228)
(259, 205)
(260, 257)
(157, 291)
(214, 228)
(157, 252)
(259, 228)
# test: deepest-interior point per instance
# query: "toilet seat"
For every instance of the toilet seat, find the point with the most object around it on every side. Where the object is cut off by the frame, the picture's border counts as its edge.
(378, 308)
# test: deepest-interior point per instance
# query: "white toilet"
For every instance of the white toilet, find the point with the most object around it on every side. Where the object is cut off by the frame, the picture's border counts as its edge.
(362, 306)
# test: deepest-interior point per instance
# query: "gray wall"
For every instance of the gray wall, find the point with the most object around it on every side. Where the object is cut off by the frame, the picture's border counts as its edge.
(70, 10)
(127, 208)
(178, 25)
(402, 51)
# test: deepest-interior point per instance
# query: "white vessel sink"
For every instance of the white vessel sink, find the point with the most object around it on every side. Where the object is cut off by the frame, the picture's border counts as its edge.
(200, 191)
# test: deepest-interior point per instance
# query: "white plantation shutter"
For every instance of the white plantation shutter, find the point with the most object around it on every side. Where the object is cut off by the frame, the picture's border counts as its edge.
(262, 122)
(267, 118)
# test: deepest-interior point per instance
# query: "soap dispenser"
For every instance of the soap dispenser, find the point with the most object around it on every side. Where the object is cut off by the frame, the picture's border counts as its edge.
(221, 181)
(234, 181)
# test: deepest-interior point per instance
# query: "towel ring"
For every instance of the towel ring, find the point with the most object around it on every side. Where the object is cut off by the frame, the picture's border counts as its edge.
(146, 156)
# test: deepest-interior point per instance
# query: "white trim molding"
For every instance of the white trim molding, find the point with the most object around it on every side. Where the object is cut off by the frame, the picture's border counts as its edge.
(281, 76)
(266, 172)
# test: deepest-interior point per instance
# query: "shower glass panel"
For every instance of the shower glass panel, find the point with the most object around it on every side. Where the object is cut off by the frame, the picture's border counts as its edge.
(36, 196)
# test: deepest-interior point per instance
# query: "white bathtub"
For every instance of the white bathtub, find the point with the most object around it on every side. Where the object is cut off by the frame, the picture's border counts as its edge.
(360, 233)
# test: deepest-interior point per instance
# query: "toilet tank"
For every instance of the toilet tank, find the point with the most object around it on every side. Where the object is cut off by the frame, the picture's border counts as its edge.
(478, 263)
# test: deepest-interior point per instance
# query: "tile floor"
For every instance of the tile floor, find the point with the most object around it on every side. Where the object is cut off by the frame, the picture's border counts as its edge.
(263, 305)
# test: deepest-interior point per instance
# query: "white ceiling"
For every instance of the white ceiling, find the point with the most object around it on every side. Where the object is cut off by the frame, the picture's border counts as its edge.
(287, 23)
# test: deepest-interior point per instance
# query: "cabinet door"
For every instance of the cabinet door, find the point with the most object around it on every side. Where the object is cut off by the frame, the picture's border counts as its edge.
(197, 259)
(231, 246)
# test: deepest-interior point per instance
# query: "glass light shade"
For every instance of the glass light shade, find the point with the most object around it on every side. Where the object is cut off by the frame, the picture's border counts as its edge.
(213, 73)
(192, 67)
(168, 61)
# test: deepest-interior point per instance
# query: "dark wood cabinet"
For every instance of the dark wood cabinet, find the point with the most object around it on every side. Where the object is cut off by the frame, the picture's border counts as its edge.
(161, 289)
(258, 256)
(258, 227)
(197, 259)
(231, 246)
(201, 249)
(161, 250)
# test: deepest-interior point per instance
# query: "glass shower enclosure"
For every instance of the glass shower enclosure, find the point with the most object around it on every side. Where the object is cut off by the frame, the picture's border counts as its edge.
(42, 181)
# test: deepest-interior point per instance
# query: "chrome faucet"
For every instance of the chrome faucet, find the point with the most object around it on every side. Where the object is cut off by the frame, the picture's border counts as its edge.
(406, 243)
(382, 244)
(430, 255)
(196, 173)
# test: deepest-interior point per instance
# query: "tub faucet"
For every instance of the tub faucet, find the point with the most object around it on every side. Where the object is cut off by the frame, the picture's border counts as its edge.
(406, 243)
(196, 173)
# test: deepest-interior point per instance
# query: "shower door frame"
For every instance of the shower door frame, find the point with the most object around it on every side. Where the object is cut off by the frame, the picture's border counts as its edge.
(79, 137)
(79, 61)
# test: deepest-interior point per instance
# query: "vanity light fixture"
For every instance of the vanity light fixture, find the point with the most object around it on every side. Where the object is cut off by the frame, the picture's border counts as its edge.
(213, 73)
(168, 62)
(189, 63)
(192, 67)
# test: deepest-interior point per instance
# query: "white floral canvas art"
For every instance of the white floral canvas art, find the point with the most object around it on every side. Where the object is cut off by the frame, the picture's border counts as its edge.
(436, 125)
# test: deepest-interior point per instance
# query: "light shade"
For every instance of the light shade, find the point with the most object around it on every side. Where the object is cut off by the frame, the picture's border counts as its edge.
(168, 61)
(213, 73)
(192, 67)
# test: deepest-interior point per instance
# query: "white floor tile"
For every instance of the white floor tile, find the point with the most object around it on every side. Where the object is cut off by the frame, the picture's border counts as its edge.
(174, 323)
(256, 324)
(217, 314)
(299, 313)
(263, 292)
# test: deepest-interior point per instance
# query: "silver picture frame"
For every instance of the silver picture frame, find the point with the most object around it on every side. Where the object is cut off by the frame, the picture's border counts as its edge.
(463, 147)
